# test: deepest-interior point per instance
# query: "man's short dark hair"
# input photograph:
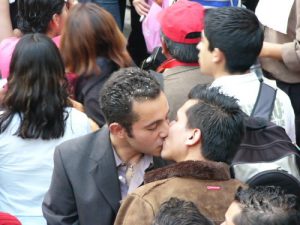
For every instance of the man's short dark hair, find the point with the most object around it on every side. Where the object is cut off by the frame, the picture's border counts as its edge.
(122, 88)
(237, 33)
(220, 120)
(269, 205)
(180, 51)
(179, 212)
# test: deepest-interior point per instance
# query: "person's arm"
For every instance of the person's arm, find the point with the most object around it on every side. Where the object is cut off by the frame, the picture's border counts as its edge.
(5, 21)
(272, 50)
(289, 52)
(59, 205)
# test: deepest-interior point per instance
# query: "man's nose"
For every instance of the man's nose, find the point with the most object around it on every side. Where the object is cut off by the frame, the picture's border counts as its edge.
(165, 129)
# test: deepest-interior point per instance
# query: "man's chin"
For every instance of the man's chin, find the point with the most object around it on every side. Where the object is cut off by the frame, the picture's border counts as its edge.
(157, 151)
(163, 154)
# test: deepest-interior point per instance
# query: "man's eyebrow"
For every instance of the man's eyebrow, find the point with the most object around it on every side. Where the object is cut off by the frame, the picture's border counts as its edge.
(153, 123)
(157, 121)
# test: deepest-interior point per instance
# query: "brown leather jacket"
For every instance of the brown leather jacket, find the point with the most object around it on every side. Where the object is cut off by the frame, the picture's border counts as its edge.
(207, 184)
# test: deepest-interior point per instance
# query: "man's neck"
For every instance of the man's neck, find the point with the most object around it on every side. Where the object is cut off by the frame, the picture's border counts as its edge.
(194, 153)
(125, 152)
(224, 73)
(221, 73)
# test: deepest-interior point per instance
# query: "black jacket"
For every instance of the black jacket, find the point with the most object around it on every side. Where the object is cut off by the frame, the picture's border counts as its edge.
(88, 86)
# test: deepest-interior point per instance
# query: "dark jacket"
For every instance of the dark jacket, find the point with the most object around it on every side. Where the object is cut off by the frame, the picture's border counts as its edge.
(88, 86)
(207, 184)
(85, 186)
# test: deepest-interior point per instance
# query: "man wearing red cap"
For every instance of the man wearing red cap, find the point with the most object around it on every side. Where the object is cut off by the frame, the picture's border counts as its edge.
(181, 26)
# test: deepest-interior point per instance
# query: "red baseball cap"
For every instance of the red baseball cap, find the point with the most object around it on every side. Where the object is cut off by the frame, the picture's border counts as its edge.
(182, 19)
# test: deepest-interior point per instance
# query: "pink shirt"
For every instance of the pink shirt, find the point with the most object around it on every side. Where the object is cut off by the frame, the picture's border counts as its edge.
(7, 47)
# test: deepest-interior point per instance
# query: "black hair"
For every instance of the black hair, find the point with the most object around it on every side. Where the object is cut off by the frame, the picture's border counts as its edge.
(181, 51)
(34, 16)
(237, 33)
(122, 88)
(37, 90)
(269, 205)
(179, 212)
(220, 120)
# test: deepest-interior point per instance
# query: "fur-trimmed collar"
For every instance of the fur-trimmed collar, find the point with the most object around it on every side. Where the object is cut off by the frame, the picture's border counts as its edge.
(202, 170)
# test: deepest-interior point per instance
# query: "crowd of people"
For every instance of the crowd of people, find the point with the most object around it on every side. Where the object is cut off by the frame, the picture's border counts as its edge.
(88, 137)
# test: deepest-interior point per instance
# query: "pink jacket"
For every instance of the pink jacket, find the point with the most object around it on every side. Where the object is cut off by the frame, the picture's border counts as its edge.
(7, 46)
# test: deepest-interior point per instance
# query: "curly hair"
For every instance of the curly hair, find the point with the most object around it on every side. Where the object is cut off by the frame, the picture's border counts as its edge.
(37, 90)
(267, 205)
(122, 88)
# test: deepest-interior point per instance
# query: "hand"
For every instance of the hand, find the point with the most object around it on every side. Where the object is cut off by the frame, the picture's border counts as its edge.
(141, 7)
(77, 105)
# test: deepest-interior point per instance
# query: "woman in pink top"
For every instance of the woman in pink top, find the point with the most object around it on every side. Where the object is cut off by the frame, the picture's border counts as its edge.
(35, 16)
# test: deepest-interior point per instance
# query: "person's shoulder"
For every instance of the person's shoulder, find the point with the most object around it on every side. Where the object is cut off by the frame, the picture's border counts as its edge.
(9, 43)
(77, 123)
(76, 114)
(281, 95)
(80, 145)
(151, 189)
(181, 70)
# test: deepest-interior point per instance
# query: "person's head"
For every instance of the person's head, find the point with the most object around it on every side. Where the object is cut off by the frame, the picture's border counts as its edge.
(209, 126)
(135, 109)
(231, 41)
(91, 32)
(36, 89)
(42, 16)
(263, 205)
(181, 27)
(179, 212)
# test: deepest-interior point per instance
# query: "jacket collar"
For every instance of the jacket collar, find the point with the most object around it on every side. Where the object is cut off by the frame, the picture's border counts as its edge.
(171, 63)
(202, 170)
(103, 169)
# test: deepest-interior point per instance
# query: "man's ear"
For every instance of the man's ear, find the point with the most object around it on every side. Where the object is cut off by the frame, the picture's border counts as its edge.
(117, 130)
(55, 23)
(218, 55)
(164, 47)
(194, 137)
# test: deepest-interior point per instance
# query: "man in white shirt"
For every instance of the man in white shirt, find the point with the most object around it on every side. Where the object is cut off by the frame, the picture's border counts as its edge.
(230, 44)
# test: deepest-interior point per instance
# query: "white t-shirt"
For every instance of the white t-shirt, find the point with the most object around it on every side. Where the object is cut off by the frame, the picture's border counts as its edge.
(26, 168)
(245, 88)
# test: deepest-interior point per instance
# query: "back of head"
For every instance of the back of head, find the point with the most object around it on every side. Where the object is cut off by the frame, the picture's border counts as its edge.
(237, 33)
(220, 120)
(181, 26)
(35, 15)
(267, 205)
(36, 89)
(179, 212)
(121, 89)
(90, 32)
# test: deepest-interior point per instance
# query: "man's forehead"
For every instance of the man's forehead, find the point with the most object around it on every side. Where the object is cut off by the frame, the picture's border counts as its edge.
(151, 109)
(188, 104)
